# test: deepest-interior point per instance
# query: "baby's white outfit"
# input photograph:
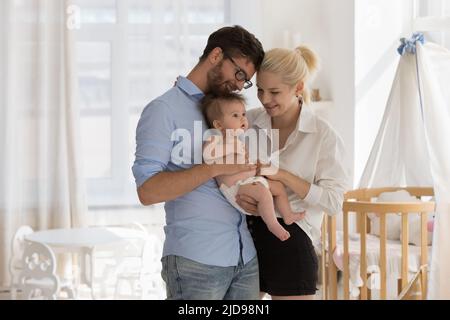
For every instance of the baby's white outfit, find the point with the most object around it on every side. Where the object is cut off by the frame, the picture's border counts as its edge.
(231, 192)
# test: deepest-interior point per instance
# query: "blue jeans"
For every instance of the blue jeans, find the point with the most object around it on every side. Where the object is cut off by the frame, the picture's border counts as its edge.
(189, 280)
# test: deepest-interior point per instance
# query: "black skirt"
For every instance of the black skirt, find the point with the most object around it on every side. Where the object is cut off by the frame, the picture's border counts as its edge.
(286, 268)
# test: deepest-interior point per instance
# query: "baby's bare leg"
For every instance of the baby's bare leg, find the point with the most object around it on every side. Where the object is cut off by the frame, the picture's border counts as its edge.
(265, 208)
(282, 203)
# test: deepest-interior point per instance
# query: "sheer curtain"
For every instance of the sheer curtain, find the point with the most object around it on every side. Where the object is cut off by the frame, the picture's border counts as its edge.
(41, 178)
(434, 68)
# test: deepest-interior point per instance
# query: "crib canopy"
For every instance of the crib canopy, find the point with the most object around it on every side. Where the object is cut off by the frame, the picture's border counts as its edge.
(412, 148)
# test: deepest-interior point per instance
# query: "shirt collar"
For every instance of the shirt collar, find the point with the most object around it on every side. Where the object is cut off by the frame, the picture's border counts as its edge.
(306, 122)
(189, 88)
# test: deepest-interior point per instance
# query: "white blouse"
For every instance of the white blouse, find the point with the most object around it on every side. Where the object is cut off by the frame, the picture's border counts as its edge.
(315, 153)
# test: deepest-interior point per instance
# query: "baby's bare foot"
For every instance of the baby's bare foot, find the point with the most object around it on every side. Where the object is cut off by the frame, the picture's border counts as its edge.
(280, 232)
(286, 235)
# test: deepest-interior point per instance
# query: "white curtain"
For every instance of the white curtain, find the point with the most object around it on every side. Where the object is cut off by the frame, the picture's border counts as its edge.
(434, 68)
(41, 180)
(411, 148)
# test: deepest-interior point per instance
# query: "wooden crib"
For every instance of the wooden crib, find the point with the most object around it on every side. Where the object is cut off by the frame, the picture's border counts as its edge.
(359, 202)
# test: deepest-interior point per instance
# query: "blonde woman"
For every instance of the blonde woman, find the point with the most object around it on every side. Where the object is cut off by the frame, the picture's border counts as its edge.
(311, 166)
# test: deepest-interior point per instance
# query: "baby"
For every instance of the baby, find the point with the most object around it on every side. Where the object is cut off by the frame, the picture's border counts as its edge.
(227, 115)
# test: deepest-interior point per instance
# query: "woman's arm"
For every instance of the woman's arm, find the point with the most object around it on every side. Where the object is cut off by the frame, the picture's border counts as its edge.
(298, 185)
(330, 182)
(330, 177)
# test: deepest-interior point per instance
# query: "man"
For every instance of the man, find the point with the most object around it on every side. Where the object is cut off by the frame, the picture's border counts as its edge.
(208, 251)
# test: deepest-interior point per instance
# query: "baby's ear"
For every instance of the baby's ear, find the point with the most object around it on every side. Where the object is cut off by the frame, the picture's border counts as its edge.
(217, 125)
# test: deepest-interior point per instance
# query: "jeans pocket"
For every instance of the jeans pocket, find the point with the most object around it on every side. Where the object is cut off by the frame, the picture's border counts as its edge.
(194, 280)
(164, 269)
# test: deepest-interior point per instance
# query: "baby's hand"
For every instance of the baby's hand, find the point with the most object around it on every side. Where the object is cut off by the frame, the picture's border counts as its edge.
(261, 166)
(271, 172)
(301, 215)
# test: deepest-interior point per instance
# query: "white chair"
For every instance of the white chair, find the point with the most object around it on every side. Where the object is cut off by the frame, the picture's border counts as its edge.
(38, 279)
(142, 280)
(109, 262)
(15, 262)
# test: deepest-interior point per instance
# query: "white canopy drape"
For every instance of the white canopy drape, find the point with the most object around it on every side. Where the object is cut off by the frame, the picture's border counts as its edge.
(411, 148)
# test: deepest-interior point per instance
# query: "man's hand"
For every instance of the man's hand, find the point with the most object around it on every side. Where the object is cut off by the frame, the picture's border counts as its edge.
(248, 204)
(230, 169)
(232, 164)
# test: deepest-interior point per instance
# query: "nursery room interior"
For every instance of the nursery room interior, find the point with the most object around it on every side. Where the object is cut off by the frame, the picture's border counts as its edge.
(76, 75)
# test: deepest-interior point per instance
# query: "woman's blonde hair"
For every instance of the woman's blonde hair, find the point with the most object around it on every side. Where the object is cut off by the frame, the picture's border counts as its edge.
(293, 66)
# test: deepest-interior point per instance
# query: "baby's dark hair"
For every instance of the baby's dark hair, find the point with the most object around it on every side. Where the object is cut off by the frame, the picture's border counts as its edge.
(211, 105)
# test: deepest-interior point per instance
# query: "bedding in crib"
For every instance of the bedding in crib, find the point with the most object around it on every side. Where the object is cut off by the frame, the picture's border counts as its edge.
(393, 261)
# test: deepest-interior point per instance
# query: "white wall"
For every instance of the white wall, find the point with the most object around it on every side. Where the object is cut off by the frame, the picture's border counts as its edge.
(289, 23)
(239, 14)
(327, 26)
(356, 41)
(340, 17)
(379, 24)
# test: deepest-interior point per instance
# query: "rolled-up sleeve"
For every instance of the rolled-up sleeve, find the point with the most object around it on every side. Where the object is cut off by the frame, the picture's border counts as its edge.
(331, 179)
(153, 141)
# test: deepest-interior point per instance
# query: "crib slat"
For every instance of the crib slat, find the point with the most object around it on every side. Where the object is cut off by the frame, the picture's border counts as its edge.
(363, 257)
(346, 259)
(383, 280)
(424, 252)
(332, 269)
(323, 259)
(360, 201)
(404, 274)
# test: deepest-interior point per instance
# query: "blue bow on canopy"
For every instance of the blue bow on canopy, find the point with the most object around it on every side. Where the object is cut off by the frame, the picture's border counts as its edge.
(409, 45)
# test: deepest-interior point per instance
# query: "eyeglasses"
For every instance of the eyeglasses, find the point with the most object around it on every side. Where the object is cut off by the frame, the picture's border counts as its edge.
(240, 74)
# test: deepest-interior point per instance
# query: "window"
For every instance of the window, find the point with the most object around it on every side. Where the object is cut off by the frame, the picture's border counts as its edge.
(433, 18)
(129, 52)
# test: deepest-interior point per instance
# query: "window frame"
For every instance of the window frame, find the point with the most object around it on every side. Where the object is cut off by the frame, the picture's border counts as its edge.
(431, 23)
(118, 190)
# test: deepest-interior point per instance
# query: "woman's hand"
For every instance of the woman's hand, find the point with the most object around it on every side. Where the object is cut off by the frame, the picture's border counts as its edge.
(248, 204)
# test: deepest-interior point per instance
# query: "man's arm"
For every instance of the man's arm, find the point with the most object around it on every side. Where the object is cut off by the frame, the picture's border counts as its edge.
(166, 186)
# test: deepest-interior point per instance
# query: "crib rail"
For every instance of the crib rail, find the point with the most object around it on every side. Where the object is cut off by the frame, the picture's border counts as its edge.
(358, 202)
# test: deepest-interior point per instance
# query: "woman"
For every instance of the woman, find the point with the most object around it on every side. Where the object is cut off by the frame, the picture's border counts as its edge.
(311, 167)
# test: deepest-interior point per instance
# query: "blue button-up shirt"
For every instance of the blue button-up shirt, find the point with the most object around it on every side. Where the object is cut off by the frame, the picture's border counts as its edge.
(200, 225)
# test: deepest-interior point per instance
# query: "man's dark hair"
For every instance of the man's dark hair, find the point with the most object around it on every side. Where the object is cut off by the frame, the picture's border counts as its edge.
(236, 41)
(211, 105)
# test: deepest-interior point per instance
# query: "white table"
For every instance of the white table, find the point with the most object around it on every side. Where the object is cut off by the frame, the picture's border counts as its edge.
(84, 241)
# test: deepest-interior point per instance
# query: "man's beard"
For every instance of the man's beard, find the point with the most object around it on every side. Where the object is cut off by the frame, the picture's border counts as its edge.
(216, 82)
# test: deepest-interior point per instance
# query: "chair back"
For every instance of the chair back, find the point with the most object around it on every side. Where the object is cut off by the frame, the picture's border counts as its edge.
(38, 279)
(15, 261)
